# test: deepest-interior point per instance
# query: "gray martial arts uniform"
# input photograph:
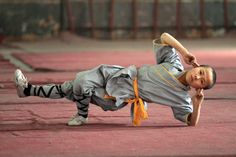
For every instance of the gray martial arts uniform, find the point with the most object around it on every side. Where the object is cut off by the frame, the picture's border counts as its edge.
(156, 83)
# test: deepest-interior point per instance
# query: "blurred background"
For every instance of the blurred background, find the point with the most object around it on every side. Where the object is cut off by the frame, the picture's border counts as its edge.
(30, 20)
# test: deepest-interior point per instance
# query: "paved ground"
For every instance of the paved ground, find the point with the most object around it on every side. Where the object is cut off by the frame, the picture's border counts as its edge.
(37, 127)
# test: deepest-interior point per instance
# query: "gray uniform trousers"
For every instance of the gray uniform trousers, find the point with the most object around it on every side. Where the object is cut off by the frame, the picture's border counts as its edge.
(88, 86)
(65, 90)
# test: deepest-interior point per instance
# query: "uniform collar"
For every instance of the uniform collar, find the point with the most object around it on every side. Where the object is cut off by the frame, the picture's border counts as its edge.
(173, 78)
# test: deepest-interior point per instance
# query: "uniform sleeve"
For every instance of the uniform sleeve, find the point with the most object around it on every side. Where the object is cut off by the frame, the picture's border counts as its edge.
(165, 53)
(182, 113)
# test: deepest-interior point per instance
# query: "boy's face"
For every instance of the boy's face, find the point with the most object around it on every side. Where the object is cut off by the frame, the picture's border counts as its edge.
(199, 77)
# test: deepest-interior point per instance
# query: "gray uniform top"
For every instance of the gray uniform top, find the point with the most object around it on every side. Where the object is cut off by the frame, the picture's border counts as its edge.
(156, 83)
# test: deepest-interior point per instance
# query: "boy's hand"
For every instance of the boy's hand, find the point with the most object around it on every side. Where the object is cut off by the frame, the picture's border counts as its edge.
(190, 59)
(197, 100)
(198, 97)
(199, 93)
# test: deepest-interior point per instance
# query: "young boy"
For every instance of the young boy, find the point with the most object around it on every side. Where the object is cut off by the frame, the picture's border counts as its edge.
(113, 87)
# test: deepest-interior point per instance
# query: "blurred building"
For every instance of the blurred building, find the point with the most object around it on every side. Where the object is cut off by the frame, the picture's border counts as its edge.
(117, 19)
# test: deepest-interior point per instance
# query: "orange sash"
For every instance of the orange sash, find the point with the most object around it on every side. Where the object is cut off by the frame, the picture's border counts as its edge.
(139, 110)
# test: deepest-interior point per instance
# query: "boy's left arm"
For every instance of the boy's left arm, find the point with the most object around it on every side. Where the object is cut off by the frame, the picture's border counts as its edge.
(197, 100)
(188, 57)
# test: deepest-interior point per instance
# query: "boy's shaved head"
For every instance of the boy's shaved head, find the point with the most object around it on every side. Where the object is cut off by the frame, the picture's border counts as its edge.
(201, 77)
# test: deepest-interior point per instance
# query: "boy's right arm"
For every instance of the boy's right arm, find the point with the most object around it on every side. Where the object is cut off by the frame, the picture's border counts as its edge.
(187, 56)
(197, 100)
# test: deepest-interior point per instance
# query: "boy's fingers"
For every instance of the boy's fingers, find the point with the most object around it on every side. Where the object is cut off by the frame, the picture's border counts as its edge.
(200, 92)
(195, 64)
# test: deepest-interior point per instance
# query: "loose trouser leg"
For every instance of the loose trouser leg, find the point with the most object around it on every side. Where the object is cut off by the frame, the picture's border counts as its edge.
(81, 97)
(57, 91)
(82, 103)
(87, 82)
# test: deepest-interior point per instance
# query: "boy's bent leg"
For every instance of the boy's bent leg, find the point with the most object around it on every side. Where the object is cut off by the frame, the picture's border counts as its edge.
(83, 105)
(81, 117)
(82, 91)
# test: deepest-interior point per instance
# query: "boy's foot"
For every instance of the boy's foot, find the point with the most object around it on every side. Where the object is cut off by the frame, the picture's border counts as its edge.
(20, 82)
(77, 120)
